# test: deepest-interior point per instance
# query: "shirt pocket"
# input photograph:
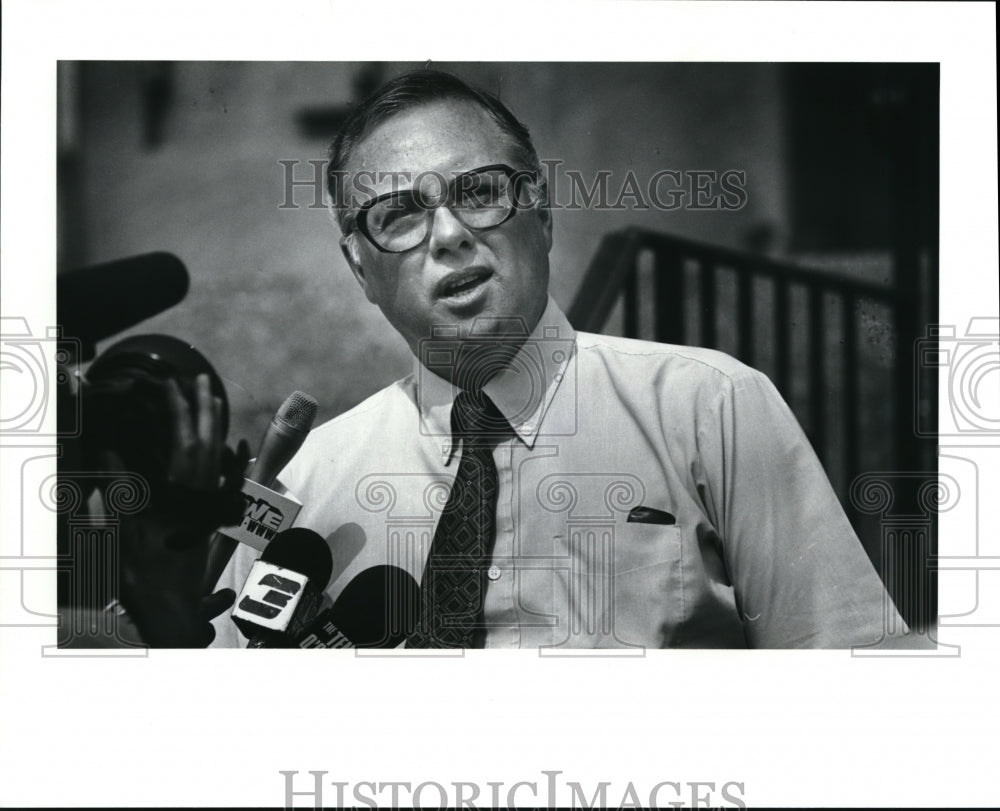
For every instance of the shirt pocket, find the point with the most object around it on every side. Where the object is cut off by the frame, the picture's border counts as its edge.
(645, 585)
(644, 546)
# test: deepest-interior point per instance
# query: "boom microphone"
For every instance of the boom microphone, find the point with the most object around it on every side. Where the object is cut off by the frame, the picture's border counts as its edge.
(284, 436)
(284, 588)
(378, 609)
(96, 302)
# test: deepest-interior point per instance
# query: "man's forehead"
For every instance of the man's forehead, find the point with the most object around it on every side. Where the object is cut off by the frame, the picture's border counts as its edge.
(443, 136)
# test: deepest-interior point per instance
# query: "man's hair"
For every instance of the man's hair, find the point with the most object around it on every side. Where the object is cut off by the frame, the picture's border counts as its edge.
(405, 92)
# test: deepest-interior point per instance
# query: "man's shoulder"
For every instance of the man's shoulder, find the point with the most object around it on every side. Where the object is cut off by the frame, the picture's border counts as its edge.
(347, 441)
(637, 355)
(370, 412)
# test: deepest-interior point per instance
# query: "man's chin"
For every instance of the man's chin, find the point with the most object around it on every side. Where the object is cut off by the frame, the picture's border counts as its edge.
(470, 351)
(489, 322)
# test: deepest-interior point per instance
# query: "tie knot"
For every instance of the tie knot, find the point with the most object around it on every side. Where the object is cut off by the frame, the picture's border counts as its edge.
(475, 416)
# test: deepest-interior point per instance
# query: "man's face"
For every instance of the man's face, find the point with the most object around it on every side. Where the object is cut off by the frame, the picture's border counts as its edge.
(457, 275)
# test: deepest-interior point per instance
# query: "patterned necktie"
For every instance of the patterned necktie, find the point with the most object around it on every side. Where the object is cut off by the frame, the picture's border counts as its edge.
(454, 579)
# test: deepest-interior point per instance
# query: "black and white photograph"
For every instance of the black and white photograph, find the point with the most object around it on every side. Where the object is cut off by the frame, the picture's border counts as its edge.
(640, 492)
(597, 393)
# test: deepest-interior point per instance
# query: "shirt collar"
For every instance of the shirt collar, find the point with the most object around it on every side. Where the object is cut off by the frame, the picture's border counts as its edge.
(522, 391)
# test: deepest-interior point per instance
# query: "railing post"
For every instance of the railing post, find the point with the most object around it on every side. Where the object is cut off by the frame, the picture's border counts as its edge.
(706, 296)
(782, 339)
(603, 280)
(745, 308)
(849, 327)
(817, 373)
(669, 290)
(630, 302)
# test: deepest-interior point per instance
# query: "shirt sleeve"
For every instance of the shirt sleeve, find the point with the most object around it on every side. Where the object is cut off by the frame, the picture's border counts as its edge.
(801, 576)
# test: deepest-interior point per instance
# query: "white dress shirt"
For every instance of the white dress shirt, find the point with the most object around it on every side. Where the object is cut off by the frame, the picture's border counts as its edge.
(752, 548)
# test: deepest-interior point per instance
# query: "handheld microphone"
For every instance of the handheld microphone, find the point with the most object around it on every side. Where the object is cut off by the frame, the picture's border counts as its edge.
(284, 436)
(284, 588)
(378, 609)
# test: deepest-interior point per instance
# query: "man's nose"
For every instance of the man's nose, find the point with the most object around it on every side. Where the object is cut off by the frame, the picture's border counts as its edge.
(447, 233)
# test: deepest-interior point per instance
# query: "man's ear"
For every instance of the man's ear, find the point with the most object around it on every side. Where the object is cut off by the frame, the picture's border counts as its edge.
(349, 249)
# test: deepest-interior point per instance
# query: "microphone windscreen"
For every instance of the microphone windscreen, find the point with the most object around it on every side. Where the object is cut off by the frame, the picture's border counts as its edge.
(298, 411)
(379, 608)
(96, 302)
(301, 550)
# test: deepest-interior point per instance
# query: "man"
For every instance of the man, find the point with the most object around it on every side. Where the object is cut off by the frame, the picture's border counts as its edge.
(553, 489)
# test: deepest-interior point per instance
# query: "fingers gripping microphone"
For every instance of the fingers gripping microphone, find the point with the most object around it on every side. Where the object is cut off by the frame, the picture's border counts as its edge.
(284, 588)
(284, 436)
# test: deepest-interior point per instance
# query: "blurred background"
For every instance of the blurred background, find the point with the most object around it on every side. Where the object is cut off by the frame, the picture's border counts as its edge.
(840, 163)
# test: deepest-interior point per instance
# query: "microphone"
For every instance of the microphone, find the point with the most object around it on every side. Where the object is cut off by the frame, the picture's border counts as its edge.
(284, 588)
(96, 302)
(378, 609)
(284, 436)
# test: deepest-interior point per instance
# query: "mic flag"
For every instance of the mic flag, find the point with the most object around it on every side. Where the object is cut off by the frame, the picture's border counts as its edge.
(284, 588)
(265, 514)
(378, 609)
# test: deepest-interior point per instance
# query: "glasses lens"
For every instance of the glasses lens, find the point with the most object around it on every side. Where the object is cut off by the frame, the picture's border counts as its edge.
(397, 223)
(483, 199)
(480, 199)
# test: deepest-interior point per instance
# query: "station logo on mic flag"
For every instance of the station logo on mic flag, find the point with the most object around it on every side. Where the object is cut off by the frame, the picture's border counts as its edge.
(266, 513)
(270, 596)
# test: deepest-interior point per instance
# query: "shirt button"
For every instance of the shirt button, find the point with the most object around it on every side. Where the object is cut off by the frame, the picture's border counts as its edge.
(493, 573)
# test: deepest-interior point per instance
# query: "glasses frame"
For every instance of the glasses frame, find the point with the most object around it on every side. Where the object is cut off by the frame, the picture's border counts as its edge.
(516, 176)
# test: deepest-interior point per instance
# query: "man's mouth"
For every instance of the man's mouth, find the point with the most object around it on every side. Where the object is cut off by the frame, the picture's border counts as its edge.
(462, 282)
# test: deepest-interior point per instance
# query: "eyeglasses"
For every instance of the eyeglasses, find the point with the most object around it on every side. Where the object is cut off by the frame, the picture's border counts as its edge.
(480, 199)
